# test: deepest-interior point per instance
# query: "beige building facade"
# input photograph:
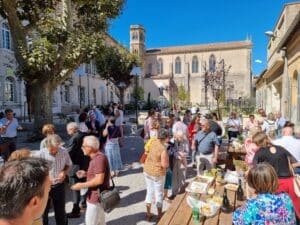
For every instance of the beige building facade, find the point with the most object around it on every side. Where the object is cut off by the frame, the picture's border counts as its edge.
(278, 87)
(170, 67)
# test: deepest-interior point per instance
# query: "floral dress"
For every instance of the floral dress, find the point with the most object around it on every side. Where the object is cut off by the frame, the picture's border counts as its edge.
(266, 209)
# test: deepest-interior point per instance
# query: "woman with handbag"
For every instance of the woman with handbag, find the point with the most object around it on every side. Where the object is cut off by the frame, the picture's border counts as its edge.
(279, 158)
(155, 167)
(112, 147)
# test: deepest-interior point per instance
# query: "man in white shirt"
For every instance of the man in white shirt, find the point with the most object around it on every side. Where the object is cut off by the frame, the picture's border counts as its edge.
(9, 126)
(291, 144)
(179, 126)
(60, 163)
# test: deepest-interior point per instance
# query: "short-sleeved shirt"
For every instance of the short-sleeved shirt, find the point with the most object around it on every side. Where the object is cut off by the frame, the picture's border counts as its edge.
(206, 142)
(59, 161)
(11, 130)
(98, 165)
(266, 209)
(291, 144)
(236, 123)
(279, 160)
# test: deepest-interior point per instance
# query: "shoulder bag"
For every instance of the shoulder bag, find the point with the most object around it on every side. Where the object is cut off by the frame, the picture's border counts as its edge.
(109, 198)
(197, 143)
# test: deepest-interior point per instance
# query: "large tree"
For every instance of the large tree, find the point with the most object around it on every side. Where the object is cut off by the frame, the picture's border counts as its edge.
(114, 64)
(215, 80)
(52, 38)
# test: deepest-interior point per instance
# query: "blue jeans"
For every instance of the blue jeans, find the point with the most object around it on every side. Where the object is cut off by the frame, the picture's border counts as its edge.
(297, 170)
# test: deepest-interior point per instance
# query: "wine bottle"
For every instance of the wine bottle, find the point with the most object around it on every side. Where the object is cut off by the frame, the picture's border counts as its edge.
(240, 192)
(225, 203)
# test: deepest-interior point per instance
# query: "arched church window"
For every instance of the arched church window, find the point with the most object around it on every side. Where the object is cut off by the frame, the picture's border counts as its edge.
(212, 63)
(160, 66)
(5, 36)
(9, 89)
(195, 64)
(177, 65)
(134, 35)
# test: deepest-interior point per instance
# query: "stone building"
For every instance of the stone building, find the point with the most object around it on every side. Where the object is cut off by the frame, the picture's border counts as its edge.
(169, 67)
(278, 87)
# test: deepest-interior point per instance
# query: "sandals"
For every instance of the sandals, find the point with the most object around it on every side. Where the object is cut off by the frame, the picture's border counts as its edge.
(149, 217)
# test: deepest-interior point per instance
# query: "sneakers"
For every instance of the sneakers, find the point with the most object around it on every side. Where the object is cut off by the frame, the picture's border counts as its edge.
(73, 215)
(82, 205)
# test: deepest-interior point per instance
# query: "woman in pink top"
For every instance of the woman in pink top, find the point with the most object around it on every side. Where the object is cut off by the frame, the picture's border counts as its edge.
(148, 124)
(251, 148)
(252, 123)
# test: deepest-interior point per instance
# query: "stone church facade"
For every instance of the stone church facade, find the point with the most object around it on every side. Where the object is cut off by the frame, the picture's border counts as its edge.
(171, 67)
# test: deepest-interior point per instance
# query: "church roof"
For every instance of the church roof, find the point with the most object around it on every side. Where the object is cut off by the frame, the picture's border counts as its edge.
(201, 47)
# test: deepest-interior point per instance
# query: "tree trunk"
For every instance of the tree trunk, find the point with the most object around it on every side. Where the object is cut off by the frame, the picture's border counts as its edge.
(42, 100)
(122, 91)
(218, 110)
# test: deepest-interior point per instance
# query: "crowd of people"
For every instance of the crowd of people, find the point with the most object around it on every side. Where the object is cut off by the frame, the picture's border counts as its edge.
(88, 159)
(91, 156)
(269, 140)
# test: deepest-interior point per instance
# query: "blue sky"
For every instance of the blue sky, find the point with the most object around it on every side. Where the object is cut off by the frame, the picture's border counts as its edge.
(177, 22)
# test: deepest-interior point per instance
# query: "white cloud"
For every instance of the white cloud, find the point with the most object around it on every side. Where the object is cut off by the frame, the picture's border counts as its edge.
(258, 61)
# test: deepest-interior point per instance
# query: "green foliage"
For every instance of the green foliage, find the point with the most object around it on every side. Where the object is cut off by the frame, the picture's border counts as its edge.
(115, 64)
(52, 38)
(182, 95)
(58, 35)
(138, 93)
(150, 105)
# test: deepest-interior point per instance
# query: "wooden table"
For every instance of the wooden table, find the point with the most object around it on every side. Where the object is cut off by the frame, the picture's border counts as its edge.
(180, 213)
(234, 154)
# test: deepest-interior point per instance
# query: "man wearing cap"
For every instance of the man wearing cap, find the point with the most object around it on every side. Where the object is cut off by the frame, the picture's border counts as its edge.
(9, 126)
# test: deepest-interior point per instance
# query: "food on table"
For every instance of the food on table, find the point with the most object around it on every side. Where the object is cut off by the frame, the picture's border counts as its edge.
(231, 187)
(201, 179)
(211, 173)
(206, 209)
(215, 199)
(211, 191)
(198, 187)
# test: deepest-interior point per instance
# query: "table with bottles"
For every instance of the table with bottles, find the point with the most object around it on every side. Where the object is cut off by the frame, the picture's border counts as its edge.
(180, 212)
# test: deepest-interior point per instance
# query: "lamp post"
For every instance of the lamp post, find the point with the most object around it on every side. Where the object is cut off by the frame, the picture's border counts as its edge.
(122, 86)
(80, 72)
(161, 88)
(136, 71)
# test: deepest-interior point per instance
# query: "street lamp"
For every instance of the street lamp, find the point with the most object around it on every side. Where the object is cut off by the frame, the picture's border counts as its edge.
(122, 86)
(136, 71)
(161, 88)
(270, 34)
(80, 72)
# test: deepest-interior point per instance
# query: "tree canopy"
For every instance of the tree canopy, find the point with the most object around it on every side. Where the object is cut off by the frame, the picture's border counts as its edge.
(115, 64)
(52, 38)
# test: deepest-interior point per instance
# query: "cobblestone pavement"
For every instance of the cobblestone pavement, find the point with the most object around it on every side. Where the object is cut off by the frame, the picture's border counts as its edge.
(130, 183)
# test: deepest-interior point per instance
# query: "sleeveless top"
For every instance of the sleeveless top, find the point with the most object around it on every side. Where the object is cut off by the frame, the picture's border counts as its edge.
(153, 161)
